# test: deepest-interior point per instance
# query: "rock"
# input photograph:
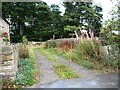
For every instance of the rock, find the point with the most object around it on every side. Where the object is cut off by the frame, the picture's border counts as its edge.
(6, 50)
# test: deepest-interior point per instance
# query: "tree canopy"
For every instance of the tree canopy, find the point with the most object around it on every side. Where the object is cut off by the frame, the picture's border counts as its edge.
(39, 22)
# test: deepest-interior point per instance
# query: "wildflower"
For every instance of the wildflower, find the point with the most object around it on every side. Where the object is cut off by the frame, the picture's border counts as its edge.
(5, 33)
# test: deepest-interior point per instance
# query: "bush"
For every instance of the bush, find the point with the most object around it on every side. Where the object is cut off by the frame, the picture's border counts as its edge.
(111, 61)
(24, 40)
(88, 49)
(50, 44)
(24, 51)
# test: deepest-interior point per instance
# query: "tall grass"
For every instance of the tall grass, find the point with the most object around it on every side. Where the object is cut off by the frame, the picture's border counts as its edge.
(24, 51)
(88, 49)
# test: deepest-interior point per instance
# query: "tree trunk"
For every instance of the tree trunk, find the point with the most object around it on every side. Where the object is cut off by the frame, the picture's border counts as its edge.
(21, 28)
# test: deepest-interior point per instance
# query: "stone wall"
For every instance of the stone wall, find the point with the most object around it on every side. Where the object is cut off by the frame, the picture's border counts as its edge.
(8, 61)
(110, 52)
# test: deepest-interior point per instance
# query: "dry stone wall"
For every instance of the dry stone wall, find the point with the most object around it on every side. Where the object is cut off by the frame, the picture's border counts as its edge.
(8, 61)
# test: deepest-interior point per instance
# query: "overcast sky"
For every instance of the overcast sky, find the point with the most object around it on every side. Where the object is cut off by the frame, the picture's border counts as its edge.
(105, 4)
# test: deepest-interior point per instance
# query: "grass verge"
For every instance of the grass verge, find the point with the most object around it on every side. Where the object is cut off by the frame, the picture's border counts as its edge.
(27, 71)
(26, 74)
(64, 71)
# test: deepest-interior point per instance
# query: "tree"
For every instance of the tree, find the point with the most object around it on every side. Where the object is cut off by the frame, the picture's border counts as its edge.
(26, 18)
(111, 25)
(83, 14)
(56, 21)
(39, 22)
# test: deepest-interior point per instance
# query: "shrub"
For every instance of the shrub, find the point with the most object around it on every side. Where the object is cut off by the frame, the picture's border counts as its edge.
(88, 49)
(50, 44)
(112, 61)
(24, 51)
(24, 40)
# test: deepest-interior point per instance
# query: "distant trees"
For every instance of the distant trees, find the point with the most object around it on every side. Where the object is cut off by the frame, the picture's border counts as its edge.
(39, 22)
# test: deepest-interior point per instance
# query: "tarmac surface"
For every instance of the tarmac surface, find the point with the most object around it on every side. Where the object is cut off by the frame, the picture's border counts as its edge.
(99, 81)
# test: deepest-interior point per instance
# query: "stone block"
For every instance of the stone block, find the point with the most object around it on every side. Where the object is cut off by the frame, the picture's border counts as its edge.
(7, 50)
(7, 63)
(7, 57)
(10, 67)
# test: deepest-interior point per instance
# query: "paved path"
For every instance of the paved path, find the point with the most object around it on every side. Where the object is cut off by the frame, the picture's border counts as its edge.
(48, 79)
(100, 81)
(46, 73)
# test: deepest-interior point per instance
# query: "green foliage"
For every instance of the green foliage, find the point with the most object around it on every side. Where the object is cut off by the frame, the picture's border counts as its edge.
(112, 25)
(24, 40)
(103, 66)
(42, 21)
(71, 29)
(112, 60)
(88, 50)
(64, 71)
(83, 14)
(39, 22)
(50, 44)
(24, 51)
(54, 51)
(75, 57)
(26, 72)
(106, 32)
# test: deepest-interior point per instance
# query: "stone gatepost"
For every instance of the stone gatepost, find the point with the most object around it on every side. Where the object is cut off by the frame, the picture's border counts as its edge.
(8, 53)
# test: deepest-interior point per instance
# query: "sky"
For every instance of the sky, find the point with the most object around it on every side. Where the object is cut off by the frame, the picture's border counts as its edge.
(107, 5)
